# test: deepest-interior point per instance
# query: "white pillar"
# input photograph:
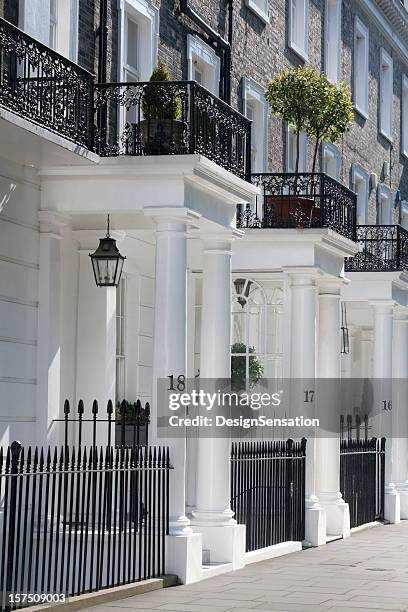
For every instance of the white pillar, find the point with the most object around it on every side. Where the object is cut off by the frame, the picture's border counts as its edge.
(328, 449)
(49, 328)
(183, 555)
(303, 367)
(96, 344)
(382, 371)
(213, 517)
(400, 407)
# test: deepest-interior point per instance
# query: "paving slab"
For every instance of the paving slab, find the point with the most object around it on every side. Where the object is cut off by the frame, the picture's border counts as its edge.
(366, 572)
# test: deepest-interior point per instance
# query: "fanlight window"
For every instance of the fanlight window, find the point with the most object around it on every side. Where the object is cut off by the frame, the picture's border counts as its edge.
(257, 343)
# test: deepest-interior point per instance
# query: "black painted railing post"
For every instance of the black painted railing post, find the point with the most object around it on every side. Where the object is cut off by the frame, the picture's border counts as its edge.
(94, 421)
(66, 420)
(15, 449)
(191, 113)
(109, 411)
(80, 417)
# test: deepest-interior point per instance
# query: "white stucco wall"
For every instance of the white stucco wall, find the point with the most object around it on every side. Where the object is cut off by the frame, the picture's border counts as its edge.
(19, 253)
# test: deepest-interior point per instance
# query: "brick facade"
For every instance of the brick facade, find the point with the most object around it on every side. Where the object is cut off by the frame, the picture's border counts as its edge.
(261, 50)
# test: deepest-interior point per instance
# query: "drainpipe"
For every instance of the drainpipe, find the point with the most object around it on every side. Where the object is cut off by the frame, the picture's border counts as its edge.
(224, 45)
(103, 41)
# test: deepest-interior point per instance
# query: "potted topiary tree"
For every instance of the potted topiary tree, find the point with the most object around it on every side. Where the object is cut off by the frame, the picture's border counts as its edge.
(161, 129)
(238, 367)
(309, 103)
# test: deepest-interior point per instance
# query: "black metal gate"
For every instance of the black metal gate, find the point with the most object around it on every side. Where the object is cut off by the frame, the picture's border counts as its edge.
(268, 491)
(362, 473)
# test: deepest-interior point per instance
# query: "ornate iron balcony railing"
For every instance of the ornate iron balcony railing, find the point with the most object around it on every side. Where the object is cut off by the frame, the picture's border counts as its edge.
(383, 248)
(171, 118)
(44, 87)
(302, 200)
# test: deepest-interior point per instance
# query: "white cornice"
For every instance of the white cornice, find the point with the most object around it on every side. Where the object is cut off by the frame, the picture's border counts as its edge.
(392, 20)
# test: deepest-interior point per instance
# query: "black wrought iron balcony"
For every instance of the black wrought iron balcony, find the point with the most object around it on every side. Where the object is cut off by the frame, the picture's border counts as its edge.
(171, 118)
(383, 248)
(44, 87)
(302, 200)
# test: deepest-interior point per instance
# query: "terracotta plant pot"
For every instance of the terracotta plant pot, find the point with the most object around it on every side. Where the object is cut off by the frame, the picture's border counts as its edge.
(162, 136)
(287, 209)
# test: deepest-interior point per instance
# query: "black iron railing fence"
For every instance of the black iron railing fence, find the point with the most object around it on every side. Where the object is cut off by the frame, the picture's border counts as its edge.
(160, 118)
(171, 118)
(127, 425)
(362, 471)
(302, 200)
(268, 491)
(81, 520)
(382, 248)
(48, 89)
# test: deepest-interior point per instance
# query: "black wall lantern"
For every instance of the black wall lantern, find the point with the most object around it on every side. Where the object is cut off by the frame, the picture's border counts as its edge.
(107, 262)
(345, 341)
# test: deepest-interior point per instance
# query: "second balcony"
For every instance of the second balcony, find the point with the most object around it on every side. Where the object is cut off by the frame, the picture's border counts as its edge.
(301, 200)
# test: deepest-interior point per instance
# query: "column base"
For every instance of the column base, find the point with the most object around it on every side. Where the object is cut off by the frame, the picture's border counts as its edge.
(180, 526)
(225, 543)
(337, 514)
(392, 504)
(402, 488)
(315, 523)
(184, 557)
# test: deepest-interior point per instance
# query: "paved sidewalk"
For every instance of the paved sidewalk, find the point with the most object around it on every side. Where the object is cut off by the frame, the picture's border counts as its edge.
(366, 572)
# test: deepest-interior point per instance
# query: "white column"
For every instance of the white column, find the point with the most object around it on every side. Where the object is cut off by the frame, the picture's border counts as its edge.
(183, 555)
(96, 343)
(303, 368)
(328, 449)
(382, 371)
(400, 407)
(49, 328)
(169, 354)
(213, 517)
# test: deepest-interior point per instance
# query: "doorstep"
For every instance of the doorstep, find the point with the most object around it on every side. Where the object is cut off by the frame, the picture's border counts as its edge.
(215, 569)
(270, 552)
(107, 595)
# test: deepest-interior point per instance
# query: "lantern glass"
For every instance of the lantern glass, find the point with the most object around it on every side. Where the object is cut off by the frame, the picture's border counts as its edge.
(107, 263)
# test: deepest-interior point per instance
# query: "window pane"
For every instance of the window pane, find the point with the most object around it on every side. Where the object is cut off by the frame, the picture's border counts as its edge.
(132, 37)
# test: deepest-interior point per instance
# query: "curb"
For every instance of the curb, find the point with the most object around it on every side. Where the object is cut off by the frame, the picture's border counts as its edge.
(107, 595)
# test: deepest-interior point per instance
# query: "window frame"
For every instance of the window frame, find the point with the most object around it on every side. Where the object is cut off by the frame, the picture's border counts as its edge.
(386, 88)
(358, 174)
(146, 16)
(330, 150)
(301, 51)
(384, 193)
(333, 45)
(120, 320)
(199, 51)
(253, 93)
(303, 152)
(361, 31)
(404, 115)
(260, 8)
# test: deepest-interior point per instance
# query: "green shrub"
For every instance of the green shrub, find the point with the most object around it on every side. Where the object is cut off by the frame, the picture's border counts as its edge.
(158, 101)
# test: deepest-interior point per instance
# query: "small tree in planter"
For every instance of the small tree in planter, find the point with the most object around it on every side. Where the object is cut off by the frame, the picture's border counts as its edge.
(332, 113)
(291, 95)
(161, 127)
(238, 367)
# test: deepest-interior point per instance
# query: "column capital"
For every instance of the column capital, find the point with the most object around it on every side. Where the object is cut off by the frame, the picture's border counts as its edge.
(331, 287)
(382, 307)
(400, 314)
(172, 218)
(220, 240)
(53, 222)
(301, 276)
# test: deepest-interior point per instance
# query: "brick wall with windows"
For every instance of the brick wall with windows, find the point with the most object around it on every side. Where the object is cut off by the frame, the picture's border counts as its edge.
(9, 10)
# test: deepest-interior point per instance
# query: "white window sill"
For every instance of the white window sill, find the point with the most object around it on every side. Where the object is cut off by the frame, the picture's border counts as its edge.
(386, 135)
(302, 53)
(404, 153)
(361, 111)
(263, 16)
